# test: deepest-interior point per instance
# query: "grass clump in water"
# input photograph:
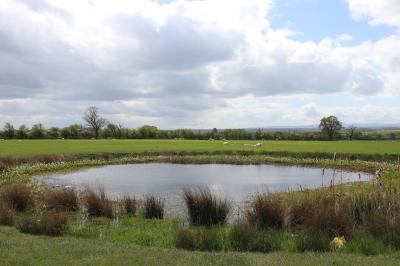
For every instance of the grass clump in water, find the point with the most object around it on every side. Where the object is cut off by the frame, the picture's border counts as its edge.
(98, 204)
(153, 208)
(130, 205)
(204, 208)
(63, 199)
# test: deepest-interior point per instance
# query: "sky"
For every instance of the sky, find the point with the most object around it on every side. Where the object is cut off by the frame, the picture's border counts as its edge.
(200, 64)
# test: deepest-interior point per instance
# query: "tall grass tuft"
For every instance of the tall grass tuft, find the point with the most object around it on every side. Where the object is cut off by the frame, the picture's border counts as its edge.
(202, 238)
(329, 216)
(246, 237)
(98, 204)
(63, 199)
(6, 215)
(204, 208)
(18, 196)
(153, 208)
(313, 241)
(52, 224)
(266, 211)
(130, 205)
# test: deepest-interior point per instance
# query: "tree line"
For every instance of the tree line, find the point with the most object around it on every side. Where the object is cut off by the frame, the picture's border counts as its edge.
(98, 127)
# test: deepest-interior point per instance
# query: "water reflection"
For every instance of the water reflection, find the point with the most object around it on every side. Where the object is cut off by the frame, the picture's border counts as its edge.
(236, 182)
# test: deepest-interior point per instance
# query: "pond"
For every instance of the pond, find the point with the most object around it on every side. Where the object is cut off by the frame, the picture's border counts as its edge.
(237, 182)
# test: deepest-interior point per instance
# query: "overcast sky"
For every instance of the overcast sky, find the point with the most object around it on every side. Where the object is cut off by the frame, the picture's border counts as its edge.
(200, 64)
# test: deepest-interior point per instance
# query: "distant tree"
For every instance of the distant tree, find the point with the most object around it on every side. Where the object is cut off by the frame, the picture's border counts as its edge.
(8, 131)
(94, 121)
(214, 133)
(148, 132)
(258, 134)
(350, 132)
(54, 132)
(37, 132)
(73, 131)
(22, 132)
(113, 130)
(186, 134)
(330, 126)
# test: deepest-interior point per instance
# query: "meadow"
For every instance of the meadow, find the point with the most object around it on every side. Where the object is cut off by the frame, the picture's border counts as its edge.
(43, 147)
(280, 227)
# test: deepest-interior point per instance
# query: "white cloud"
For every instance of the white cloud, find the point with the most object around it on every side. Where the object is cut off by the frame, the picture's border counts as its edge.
(176, 63)
(385, 12)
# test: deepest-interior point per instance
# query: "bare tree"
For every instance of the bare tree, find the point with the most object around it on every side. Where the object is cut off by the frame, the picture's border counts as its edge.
(351, 130)
(330, 126)
(94, 121)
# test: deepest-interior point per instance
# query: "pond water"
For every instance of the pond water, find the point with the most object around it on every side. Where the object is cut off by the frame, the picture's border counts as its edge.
(237, 182)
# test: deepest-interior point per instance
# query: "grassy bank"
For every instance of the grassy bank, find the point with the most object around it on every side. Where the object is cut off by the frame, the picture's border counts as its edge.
(135, 239)
(23, 249)
(18, 170)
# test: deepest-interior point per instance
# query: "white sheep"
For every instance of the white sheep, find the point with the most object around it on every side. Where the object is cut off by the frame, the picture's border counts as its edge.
(258, 144)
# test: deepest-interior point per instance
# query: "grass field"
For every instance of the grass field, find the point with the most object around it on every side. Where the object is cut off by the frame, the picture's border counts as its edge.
(41, 147)
(135, 242)
(23, 249)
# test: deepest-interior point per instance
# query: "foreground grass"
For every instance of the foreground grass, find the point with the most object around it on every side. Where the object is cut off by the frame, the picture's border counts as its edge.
(43, 147)
(22, 249)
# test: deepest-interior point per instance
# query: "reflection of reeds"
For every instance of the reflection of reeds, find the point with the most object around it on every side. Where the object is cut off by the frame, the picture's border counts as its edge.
(204, 208)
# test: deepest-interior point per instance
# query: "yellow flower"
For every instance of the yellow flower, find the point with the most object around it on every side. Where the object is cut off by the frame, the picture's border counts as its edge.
(338, 243)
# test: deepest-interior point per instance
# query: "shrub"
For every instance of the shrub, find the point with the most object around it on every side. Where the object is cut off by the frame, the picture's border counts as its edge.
(298, 213)
(6, 215)
(130, 205)
(367, 245)
(202, 238)
(18, 196)
(313, 242)
(98, 205)
(242, 235)
(153, 208)
(246, 237)
(204, 208)
(329, 216)
(266, 211)
(65, 199)
(52, 224)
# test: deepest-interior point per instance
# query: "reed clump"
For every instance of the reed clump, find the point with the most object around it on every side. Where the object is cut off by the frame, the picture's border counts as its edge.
(98, 204)
(204, 208)
(130, 205)
(17, 196)
(52, 224)
(266, 211)
(153, 208)
(6, 215)
(62, 199)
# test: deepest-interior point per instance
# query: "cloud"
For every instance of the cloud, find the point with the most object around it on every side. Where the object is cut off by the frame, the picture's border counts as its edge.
(175, 63)
(386, 12)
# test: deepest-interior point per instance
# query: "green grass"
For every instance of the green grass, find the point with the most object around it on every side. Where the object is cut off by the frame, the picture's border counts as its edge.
(23, 249)
(41, 147)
